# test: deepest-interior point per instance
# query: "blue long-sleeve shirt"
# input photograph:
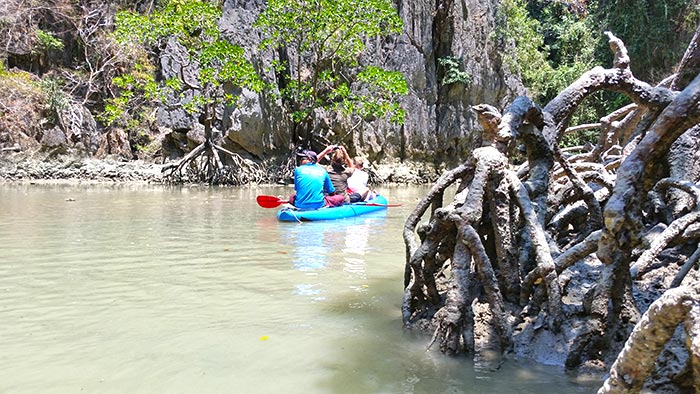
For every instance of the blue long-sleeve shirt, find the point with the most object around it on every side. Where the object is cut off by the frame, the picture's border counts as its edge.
(311, 182)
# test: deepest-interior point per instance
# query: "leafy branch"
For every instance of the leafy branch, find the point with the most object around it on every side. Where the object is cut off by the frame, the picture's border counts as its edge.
(327, 39)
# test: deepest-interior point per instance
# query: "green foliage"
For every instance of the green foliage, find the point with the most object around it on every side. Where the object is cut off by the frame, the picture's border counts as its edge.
(332, 29)
(453, 71)
(692, 17)
(328, 37)
(194, 24)
(516, 29)
(655, 32)
(45, 41)
(55, 99)
(551, 51)
(137, 87)
(556, 41)
(385, 86)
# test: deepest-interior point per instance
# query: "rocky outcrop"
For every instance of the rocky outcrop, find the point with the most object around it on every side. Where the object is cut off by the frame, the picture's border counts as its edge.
(439, 124)
(258, 125)
(115, 145)
(22, 167)
(175, 63)
(439, 130)
(439, 127)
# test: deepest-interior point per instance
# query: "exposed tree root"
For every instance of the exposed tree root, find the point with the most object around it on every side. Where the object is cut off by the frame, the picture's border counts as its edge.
(674, 230)
(636, 360)
(511, 232)
(205, 164)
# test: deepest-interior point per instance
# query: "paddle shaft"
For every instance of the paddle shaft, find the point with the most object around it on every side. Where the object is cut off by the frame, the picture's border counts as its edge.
(274, 202)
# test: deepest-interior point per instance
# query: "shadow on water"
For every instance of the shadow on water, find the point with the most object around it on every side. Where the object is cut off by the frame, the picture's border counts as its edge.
(384, 358)
(376, 355)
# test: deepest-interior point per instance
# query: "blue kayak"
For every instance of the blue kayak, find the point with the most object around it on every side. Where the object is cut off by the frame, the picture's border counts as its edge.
(331, 213)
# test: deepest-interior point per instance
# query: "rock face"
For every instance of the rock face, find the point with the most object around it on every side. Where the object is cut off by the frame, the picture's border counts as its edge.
(258, 125)
(115, 144)
(439, 122)
(174, 62)
(439, 127)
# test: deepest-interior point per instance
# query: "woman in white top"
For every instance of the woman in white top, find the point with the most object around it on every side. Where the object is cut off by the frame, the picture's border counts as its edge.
(357, 182)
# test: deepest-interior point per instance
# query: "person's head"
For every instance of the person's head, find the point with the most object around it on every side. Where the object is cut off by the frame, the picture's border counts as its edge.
(307, 156)
(338, 158)
(358, 162)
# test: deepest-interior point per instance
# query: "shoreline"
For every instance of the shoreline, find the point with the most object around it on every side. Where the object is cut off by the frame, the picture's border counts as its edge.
(20, 168)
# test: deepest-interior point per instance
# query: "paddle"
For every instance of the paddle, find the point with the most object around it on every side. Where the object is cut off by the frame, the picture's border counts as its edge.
(270, 201)
(374, 204)
(274, 202)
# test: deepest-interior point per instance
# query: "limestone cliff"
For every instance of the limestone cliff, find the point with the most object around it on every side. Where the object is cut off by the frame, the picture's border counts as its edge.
(439, 126)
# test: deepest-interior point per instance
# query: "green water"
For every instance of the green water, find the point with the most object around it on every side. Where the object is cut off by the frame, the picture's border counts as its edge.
(153, 289)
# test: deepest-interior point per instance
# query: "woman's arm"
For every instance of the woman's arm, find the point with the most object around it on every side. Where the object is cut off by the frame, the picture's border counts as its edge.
(326, 151)
(348, 161)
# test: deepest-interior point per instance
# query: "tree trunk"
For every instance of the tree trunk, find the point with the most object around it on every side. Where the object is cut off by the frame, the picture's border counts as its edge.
(204, 164)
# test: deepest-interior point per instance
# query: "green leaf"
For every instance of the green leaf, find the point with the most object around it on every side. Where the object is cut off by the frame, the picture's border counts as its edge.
(329, 37)
(46, 41)
(452, 71)
(194, 24)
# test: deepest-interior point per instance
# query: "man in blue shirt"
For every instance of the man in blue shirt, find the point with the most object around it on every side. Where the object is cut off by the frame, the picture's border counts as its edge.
(312, 184)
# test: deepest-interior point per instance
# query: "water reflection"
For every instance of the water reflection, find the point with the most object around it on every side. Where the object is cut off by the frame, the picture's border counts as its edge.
(310, 253)
(356, 246)
(334, 244)
(172, 290)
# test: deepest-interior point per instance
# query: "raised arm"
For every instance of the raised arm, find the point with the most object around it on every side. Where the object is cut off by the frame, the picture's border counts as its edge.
(326, 151)
(348, 161)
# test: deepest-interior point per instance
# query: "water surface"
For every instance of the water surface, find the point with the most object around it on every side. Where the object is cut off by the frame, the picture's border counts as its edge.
(154, 289)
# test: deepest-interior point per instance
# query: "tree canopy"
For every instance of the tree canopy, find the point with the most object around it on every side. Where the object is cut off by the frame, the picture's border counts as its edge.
(325, 41)
(194, 24)
(215, 61)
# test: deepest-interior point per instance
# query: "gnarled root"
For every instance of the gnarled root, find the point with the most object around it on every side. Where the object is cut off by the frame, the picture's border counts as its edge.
(455, 321)
(636, 361)
(545, 270)
(674, 230)
(204, 164)
(470, 238)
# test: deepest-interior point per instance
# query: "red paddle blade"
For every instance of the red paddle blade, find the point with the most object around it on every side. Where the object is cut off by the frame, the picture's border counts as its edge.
(270, 201)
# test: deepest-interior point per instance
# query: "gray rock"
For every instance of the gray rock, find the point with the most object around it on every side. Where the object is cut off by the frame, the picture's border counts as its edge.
(80, 127)
(115, 145)
(175, 62)
(54, 138)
